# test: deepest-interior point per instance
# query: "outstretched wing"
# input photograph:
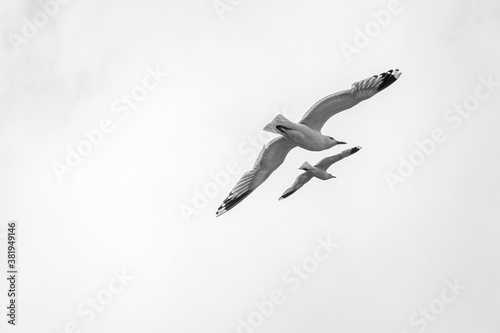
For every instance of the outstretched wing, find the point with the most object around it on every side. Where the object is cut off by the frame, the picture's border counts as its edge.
(299, 182)
(320, 112)
(270, 158)
(325, 163)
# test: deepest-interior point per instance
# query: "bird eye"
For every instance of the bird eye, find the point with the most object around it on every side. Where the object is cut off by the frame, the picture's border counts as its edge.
(330, 138)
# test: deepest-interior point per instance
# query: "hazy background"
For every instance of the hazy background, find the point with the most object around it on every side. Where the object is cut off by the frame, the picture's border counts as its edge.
(121, 208)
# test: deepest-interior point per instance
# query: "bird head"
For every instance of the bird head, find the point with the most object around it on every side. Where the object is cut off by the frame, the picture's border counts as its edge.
(332, 142)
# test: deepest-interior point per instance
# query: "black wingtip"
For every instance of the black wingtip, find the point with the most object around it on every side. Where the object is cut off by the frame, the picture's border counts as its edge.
(286, 195)
(355, 149)
(228, 204)
(219, 211)
(350, 151)
(388, 78)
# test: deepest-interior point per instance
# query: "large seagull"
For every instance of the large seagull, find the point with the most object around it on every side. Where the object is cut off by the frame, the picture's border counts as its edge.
(305, 134)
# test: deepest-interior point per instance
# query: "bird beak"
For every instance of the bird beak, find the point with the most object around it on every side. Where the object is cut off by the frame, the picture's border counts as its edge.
(341, 142)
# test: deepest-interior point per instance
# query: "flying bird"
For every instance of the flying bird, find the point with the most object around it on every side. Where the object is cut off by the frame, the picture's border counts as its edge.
(319, 170)
(305, 134)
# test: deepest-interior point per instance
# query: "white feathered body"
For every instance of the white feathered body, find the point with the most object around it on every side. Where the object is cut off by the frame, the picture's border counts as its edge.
(300, 134)
(316, 172)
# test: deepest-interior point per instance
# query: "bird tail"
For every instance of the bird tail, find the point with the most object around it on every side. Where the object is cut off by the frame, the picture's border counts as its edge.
(306, 166)
(278, 125)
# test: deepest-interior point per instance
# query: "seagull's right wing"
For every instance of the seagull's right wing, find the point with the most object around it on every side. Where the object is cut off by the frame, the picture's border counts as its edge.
(270, 158)
(325, 163)
(323, 110)
(299, 182)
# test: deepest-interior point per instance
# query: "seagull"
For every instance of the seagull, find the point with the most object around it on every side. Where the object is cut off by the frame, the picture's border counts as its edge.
(305, 134)
(318, 171)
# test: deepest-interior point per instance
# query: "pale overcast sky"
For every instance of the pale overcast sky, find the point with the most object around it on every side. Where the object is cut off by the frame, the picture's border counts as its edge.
(125, 124)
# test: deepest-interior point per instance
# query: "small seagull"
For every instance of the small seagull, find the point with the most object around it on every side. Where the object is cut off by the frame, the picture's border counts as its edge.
(319, 170)
(305, 134)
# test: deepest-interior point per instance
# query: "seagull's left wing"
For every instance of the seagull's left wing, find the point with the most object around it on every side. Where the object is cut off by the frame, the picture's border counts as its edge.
(320, 112)
(270, 158)
(299, 182)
